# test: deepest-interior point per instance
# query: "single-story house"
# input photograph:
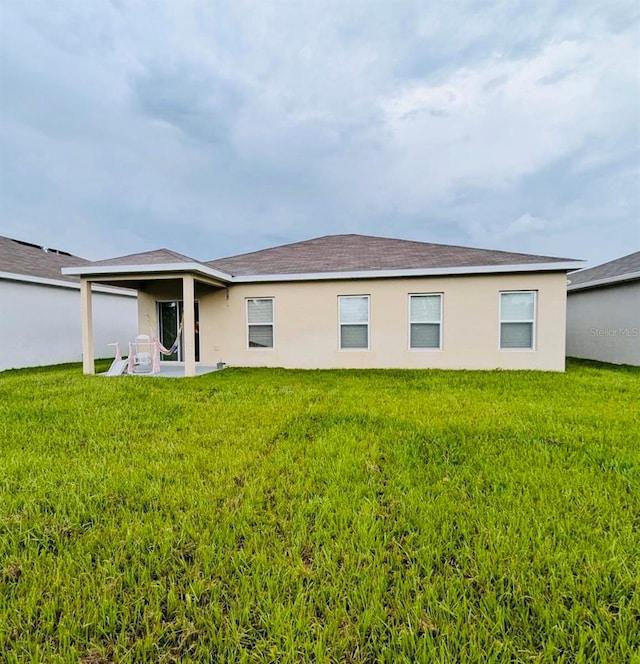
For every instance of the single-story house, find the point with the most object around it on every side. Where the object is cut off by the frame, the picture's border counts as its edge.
(603, 312)
(39, 306)
(346, 301)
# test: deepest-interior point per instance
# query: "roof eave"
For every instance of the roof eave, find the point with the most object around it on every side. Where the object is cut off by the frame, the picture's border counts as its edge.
(110, 270)
(197, 268)
(59, 283)
(607, 281)
(563, 266)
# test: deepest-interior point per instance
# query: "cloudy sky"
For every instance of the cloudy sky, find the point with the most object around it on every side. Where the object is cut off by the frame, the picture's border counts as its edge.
(215, 128)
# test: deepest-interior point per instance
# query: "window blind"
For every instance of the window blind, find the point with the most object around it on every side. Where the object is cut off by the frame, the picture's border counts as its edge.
(516, 335)
(354, 321)
(260, 322)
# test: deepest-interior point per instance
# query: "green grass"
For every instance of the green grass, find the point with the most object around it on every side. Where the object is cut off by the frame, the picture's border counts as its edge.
(337, 516)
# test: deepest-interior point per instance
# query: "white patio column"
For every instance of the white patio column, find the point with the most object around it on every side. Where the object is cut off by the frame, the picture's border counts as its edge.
(189, 331)
(88, 366)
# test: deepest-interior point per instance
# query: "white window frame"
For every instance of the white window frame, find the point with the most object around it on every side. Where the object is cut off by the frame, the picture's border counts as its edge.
(273, 322)
(531, 320)
(440, 335)
(368, 324)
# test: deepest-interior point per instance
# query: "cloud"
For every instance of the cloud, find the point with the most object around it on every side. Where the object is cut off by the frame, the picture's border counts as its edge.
(198, 104)
(215, 128)
(525, 224)
(490, 125)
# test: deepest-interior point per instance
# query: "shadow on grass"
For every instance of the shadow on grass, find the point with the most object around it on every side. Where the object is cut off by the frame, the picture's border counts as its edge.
(576, 362)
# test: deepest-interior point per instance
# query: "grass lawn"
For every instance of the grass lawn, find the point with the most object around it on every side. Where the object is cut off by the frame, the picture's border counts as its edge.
(329, 516)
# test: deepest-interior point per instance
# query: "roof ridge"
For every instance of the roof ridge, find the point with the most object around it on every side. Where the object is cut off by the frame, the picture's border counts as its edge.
(381, 237)
(297, 242)
(456, 246)
(257, 251)
(149, 252)
(177, 254)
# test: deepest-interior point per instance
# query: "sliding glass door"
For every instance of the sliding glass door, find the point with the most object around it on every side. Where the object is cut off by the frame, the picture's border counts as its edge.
(170, 323)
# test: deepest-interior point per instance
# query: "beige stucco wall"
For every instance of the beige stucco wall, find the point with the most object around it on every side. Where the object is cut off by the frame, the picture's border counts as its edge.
(306, 323)
(155, 291)
(604, 324)
(166, 290)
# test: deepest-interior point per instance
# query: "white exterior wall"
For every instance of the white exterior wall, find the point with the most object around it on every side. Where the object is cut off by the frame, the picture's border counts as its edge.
(604, 324)
(40, 324)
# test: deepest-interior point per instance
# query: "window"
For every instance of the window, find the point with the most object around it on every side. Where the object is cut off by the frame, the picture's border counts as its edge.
(260, 322)
(354, 321)
(425, 320)
(517, 316)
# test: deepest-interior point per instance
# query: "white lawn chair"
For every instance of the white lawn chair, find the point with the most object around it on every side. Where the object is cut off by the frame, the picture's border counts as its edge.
(143, 350)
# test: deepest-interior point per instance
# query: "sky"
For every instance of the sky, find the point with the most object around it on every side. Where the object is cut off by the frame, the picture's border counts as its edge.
(217, 128)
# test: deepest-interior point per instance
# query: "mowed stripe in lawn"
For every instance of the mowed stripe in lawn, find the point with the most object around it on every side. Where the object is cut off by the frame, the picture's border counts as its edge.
(364, 516)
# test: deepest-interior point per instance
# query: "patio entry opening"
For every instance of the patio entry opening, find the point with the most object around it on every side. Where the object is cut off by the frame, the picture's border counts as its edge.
(170, 317)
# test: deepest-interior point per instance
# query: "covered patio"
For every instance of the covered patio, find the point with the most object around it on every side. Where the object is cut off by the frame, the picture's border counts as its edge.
(177, 370)
(156, 276)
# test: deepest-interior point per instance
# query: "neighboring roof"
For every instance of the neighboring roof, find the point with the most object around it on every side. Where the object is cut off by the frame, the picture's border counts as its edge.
(333, 257)
(619, 270)
(361, 253)
(155, 257)
(33, 260)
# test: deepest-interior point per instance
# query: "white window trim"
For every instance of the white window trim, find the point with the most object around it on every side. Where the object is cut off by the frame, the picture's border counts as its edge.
(368, 323)
(273, 322)
(440, 336)
(532, 321)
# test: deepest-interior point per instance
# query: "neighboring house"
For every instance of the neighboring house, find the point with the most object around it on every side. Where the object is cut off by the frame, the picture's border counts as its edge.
(39, 321)
(603, 312)
(347, 301)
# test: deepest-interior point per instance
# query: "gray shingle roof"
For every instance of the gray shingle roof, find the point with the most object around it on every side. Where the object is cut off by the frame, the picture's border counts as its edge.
(17, 257)
(155, 257)
(616, 269)
(338, 254)
(351, 253)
